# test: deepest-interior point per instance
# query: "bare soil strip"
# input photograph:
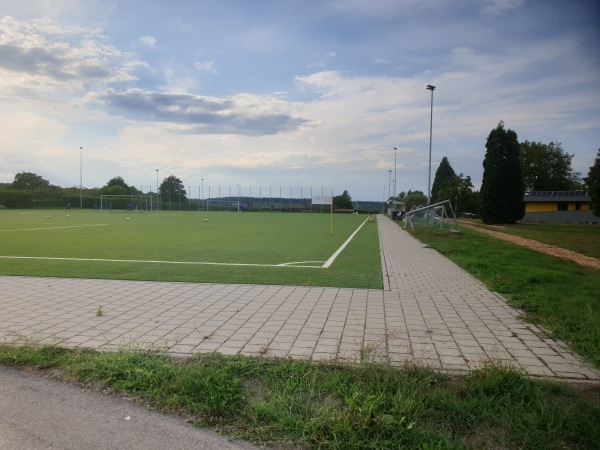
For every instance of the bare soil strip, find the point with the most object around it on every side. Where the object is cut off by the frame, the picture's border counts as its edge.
(551, 250)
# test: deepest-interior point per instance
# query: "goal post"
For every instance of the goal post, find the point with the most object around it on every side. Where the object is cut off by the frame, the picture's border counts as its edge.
(434, 217)
(126, 203)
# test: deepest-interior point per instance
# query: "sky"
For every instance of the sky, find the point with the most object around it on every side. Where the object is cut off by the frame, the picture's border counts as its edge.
(290, 93)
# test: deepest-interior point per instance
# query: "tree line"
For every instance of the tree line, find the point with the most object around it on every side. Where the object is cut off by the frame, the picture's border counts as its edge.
(510, 169)
(30, 190)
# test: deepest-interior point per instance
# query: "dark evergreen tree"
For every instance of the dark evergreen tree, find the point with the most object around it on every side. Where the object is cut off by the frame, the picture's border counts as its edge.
(343, 201)
(502, 187)
(592, 182)
(443, 174)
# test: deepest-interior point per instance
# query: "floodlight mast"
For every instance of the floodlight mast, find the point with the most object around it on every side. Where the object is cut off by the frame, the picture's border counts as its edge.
(430, 88)
(395, 178)
(389, 184)
(80, 177)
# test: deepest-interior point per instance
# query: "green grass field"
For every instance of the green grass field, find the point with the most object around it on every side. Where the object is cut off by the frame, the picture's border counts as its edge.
(256, 248)
(584, 239)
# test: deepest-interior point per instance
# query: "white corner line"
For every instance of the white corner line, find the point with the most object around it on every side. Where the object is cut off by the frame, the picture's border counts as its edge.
(330, 261)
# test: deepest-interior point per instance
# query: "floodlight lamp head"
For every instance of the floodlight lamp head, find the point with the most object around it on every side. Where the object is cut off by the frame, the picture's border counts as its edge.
(430, 87)
(395, 148)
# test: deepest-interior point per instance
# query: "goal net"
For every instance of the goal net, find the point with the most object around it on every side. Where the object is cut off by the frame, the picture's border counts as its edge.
(223, 205)
(433, 217)
(126, 203)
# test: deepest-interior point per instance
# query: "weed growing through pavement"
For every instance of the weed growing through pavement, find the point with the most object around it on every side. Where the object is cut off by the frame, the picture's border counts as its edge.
(99, 311)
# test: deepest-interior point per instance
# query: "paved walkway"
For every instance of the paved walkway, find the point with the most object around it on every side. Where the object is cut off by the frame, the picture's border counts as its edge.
(430, 312)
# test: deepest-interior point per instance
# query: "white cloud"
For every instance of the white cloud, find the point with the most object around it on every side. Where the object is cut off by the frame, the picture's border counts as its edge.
(208, 67)
(177, 83)
(147, 41)
(40, 55)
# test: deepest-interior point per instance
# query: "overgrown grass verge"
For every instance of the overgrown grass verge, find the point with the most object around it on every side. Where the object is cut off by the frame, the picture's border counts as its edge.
(327, 406)
(561, 296)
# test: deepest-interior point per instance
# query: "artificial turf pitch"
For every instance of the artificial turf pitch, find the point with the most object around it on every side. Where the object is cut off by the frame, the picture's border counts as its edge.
(208, 247)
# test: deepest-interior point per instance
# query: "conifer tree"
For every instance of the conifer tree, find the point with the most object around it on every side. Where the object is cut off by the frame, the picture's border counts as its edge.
(443, 174)
(502, 187)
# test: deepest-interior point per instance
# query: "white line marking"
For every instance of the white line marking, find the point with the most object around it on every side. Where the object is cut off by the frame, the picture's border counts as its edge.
(157, 262)
(330, 261)
(57, 228)
(301, 262)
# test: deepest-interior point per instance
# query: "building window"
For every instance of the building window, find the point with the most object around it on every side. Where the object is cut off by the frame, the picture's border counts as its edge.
(577, 206)
(563, 206)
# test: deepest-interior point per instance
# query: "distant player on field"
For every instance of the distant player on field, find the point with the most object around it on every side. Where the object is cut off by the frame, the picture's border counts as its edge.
(69, 207)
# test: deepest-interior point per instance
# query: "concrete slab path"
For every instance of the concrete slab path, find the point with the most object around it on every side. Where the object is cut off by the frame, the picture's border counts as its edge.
(430, 312)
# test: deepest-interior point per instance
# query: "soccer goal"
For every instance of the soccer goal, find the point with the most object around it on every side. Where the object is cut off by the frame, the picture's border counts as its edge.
(223, 205)
(433, 217)
(137, 203)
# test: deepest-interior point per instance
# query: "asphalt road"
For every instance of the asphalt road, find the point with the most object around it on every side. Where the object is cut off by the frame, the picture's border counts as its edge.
(41, 413)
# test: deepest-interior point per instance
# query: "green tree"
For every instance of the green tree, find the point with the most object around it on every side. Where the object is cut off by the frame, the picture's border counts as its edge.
(172, 190)
(118, 186)
(458, 189)
(37, 188)
(470, 203)
(343, 201)
(502, 187)
(592, 182)
(117, 181)
(547, 167)
(28, 181)
(443, 174)
(412, 198)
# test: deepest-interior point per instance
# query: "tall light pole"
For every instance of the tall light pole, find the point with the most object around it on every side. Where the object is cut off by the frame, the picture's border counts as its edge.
(157, 189)
(389, 184)
(430, 88)
(202, 190)
(238, 189)
(80, 177)
(395, 178)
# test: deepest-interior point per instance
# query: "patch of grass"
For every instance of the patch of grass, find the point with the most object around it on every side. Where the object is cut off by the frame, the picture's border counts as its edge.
(584, 239)
(153, 243)
(561, 296)
(326, 406)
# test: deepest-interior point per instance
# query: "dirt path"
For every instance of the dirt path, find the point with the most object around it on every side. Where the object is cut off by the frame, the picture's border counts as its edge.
(551, 250)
